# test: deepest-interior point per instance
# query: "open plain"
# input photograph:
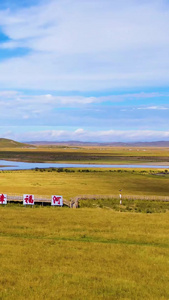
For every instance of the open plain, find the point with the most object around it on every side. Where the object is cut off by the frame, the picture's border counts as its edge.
(103, 250)
(61, 253)
(87, 154)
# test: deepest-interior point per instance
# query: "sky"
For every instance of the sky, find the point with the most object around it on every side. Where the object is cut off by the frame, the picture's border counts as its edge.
(88, 70)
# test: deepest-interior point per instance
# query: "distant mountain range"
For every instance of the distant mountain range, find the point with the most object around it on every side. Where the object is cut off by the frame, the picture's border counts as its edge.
(115, 144)
(7, 143)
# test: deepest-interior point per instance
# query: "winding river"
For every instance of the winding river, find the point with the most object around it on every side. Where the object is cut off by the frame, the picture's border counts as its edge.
(17, 165)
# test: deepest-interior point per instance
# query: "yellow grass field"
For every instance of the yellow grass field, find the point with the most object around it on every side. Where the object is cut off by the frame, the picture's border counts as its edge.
(60, 253)
(85, 253)
(71, 184)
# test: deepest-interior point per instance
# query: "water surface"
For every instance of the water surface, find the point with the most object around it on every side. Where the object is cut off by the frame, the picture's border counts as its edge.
(17, 165)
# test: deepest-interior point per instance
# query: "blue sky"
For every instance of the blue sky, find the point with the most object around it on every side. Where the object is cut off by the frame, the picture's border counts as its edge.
(89, 70)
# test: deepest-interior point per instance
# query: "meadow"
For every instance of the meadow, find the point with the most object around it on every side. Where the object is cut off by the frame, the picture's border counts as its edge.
(87, 154)
(74, 182)
(102, 250)
(61, 253)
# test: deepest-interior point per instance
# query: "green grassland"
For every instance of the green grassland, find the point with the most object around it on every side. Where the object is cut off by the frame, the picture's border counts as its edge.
(6, 143)
(99, 155)
(61, 253)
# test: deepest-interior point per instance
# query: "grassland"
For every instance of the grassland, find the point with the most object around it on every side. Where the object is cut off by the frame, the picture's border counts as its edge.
(99, 155)
(104, 252)
(7, 143)
(74, 182)
(59, 253)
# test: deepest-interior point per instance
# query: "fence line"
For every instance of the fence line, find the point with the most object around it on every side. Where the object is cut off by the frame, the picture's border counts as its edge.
(125, 197)
(74, 203)
(37, 198)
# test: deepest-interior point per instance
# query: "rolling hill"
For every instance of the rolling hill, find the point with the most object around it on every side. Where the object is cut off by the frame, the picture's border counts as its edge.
(7, 143)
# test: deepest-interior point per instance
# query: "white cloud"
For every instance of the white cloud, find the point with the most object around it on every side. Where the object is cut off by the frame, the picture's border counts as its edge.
(20, 102)
(153, 108)
(8, 94)
(101, 111)
(87, 45)
(16, 98)
(89, 136)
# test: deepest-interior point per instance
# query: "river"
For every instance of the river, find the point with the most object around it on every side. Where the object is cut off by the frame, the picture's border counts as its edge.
(17, 165)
